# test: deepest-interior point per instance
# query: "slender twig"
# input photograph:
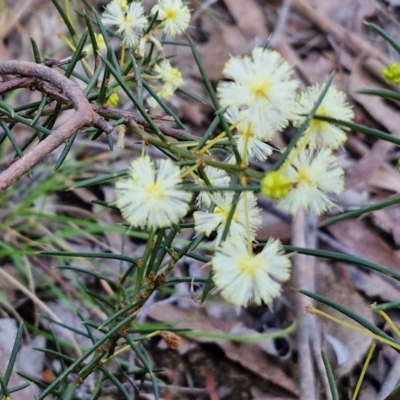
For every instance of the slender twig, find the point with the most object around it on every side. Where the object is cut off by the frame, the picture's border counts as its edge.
(54, 93)
(84, 116)
(166, 130)
(304, 277)
(281, 22)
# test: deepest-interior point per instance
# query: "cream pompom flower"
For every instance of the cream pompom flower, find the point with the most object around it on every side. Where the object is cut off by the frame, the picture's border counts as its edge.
(168, 74)
(171, 79)
(334, 105)
(243, 121)
(129, 19)
(244, 277)
(151, 196)
(217, 177)
(263, 85)
(245, 221)
(314, 176)
(250, 141)
(174, 14)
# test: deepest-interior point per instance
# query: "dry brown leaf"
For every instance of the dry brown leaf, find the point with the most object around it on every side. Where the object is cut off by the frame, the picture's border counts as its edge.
(272, 226)
(320, 65)
(374, 285)
(365, 171)
(341, 342)
(247, 355)
(357, 236)
(259, 395)
(344, 10)
(387, 178)
(225, 40)
(191, 110)
(388, 219)
(249, 17)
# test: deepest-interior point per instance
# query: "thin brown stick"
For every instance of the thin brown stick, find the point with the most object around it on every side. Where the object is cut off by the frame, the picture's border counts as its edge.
(280, 23)
(304, 278)
(104, 111)
(179, 134)
(84, 116)
(111, 113)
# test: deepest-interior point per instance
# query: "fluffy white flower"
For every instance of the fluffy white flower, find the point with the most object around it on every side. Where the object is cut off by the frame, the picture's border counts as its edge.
(168, 74)
(174, 14)
(217, 177)
(130, 20)
(263, 85)
(171, 78)
(334, 105)
(243, 121)
(244, 277)
(314, 177)
(250, 142)
(245, 222)
(165, 92)
(151, 197)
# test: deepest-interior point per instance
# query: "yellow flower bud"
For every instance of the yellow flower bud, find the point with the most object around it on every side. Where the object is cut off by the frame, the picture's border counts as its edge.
(113, 100)
(275, 185)
(391, 73)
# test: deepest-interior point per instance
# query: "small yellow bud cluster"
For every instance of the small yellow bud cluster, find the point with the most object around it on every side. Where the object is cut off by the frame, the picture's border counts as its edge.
(275, 185)
(391, 73)
(113, 100)
(171, 79)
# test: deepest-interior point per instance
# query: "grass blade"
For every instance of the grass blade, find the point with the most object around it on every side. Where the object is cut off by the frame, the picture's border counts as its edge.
(214, 99)
(348, 259)
(349, 313)
(11, 138)
(90, 255)
(65, 18)
(391, 40)
(36, 52)
(386, 94)
(376, 133)
(330, 376)
(303, 127)
(14, 354)
(361, 211)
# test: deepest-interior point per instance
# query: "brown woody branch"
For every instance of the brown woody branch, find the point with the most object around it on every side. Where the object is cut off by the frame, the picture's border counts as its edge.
(84, 115)
(179, 134)
(104, 111)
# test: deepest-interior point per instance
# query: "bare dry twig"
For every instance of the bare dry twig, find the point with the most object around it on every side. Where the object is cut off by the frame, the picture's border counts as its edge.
(84, 116)
(304, 235)
(104, 110)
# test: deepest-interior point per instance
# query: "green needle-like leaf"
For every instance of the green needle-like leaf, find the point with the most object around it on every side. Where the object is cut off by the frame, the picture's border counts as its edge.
(376, 133)
(362, 211)
(303, 126)
(346, 259)
(330, 376)
(349, 313)
(391, 40)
